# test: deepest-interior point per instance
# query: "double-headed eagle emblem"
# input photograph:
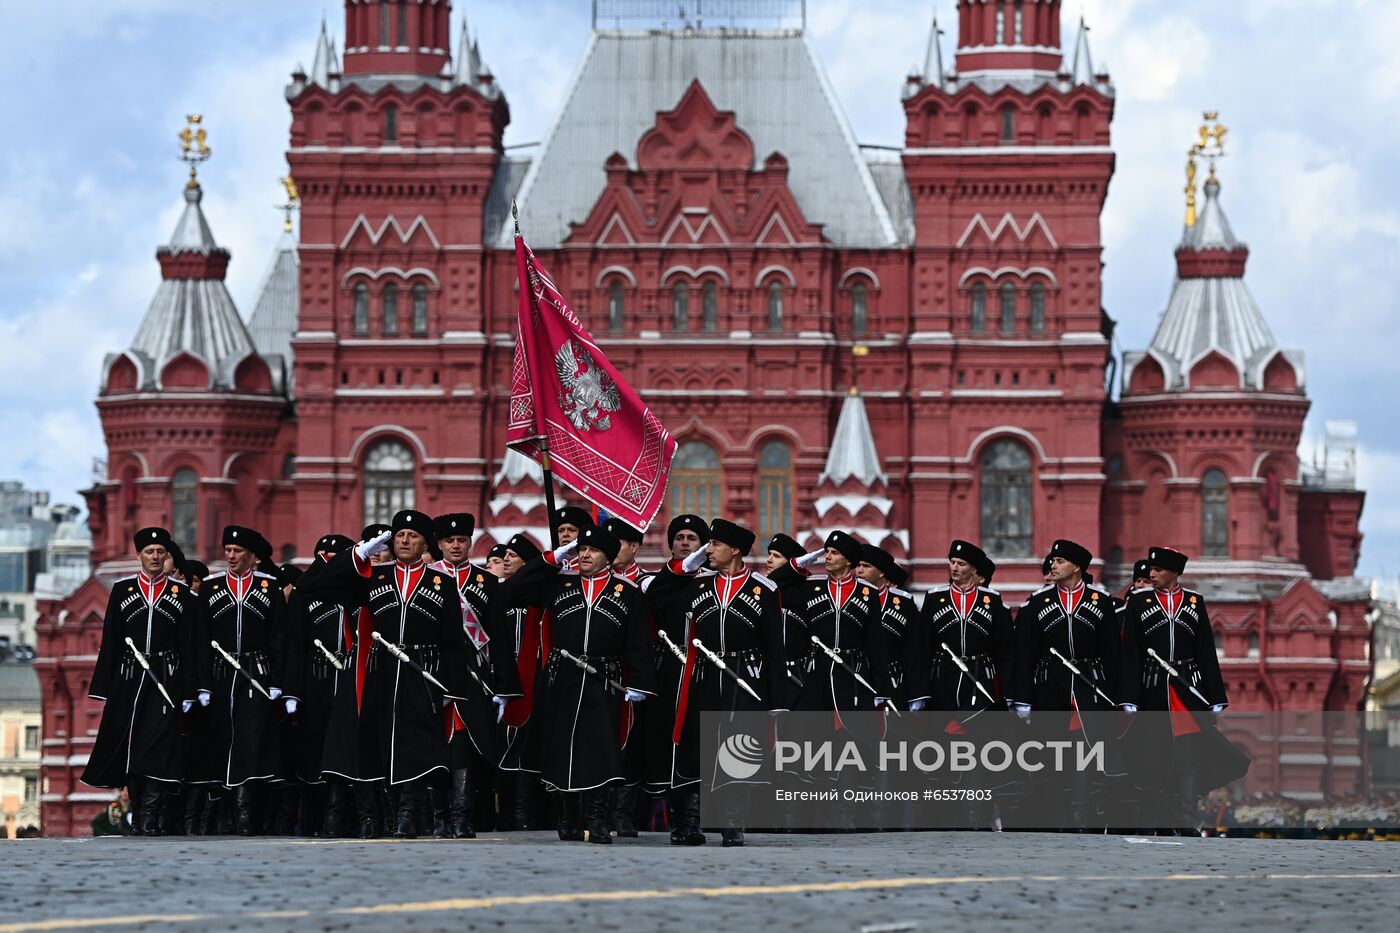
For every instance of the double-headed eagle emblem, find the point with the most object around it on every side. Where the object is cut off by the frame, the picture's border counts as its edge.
(588, 394)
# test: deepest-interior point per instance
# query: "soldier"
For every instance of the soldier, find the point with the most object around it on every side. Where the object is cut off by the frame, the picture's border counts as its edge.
(138, 743)
(522, 623)
(418, 610)
(496, 561)
(595, 637)
(1079, 623)
(897, 612)
(781, 549)
(626, 798)
(245, 614)
(1174, 623)
(844, 614)
(475, 720)
(735, 613)
(971, 620)
(321, 673)
(686, 536)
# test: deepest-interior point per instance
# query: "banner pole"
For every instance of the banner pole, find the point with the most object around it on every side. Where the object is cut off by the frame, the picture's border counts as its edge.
(548, 491)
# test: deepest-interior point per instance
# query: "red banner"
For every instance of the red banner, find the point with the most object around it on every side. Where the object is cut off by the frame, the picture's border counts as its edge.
(604, 443)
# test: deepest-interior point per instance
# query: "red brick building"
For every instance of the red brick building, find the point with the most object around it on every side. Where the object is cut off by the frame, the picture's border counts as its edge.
(703, 202)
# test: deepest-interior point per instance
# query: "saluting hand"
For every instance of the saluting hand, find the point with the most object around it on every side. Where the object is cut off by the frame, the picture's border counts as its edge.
(376, 545)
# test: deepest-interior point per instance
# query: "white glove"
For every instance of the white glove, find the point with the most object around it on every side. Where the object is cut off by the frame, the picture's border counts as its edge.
(880, 702)
(1128, 707)
(633, 695)
(186, 705)
(1023, 710)
(807, 560)
(1218, 708)
(566, 551)
(446, 701)
(291, 706)
(204, 697)
(500, 707)
(694, 562)
(376, 545)
(274, 693)
(917, 706)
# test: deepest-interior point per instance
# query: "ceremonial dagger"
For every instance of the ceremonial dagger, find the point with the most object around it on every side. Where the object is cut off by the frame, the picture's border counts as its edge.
(680, 655)
(587, 668)
(146, 666)
(859, 679)
(1177, 674)
(719, 662)
(335, 662)
(962, 666)
(233, 663)
(1080, 674)
(403, 657)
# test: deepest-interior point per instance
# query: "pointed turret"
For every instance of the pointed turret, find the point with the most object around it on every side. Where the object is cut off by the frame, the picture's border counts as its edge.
(853, 455)
(323, 64)
(933, 58)
(467, 63)
(273, 322)
(1082, 72)
(852, 492)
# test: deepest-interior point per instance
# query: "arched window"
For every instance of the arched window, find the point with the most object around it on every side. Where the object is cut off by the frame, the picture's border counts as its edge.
(617, 306)
(391, 124)
(420, 310)
(184, 509)
(389, 481)
(774, 489)
(680, 308)
(361, 319)
(1008, 124)
(1037, 307)
(775, 306)
(979, 308)
(1008, 308)
(1215, 514)
(391, 309)
(697, 481)
(1006, 499)
(860, 313)
(709, 302)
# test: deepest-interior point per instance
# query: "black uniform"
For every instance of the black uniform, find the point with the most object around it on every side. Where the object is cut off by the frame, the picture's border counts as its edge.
(575, 738)
(1090, 638)
(311, 676)
(977, 627)
(139, 735)
(899, 615)
(247, 617)
(851, 626)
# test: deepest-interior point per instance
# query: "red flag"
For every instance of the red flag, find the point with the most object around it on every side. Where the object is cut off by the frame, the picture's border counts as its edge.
(603, 441)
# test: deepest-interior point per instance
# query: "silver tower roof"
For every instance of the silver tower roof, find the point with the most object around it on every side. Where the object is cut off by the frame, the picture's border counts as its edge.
(853, 454)
(274, 319)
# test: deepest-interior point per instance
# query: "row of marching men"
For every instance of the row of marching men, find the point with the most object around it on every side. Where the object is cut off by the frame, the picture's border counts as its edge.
(375, 691)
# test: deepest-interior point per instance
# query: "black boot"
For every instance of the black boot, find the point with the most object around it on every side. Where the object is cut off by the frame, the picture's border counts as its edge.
(135, 786)
(367, 807)
(625, 809)
(388, 807)
(193, 801)
(691, 815)
(570, 828)
(675, 816)
(524, 800)
(152, 803)
(438, 796)
(596, 806)
(407, 821)
(213, 809)
(288, 804)
(315, 800)
(243, 803)
(462, 805)
(339, 803)
(731, 838)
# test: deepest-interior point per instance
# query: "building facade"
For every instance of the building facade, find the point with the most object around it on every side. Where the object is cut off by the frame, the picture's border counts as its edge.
(20, 723)
(911, 344)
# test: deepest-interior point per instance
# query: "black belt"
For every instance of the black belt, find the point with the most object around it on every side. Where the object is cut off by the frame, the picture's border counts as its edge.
(1091, 668)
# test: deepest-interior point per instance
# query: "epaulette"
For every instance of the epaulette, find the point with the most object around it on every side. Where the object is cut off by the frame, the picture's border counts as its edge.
(265, 576)
(215, 576)
(988, 589)
(941, 588)
(904, 593)
(772, 587)
(625, 580)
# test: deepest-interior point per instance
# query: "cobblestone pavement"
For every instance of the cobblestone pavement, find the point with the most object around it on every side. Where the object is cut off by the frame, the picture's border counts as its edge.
(882, 882)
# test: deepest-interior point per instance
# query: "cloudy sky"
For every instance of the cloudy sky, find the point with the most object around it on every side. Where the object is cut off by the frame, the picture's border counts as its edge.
(89, 185)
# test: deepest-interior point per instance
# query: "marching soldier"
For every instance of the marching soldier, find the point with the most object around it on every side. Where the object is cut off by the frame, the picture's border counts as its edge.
(245, 618)
(735, 615)
(1174, 667)
(416, 664)
(321, 673)
(1069, 652)
(522, 625)
(148, 663)
(475, 720)
(841, 615)
(595, 639)
(634, 756)
(781, 549)
(630, 541)
(686, 536)
(496, 561)
(898, 613)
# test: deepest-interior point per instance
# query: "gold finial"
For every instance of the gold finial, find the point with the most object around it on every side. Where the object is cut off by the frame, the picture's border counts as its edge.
(292, 204)
(194, 147)
(1210, 145)
(859, 351)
